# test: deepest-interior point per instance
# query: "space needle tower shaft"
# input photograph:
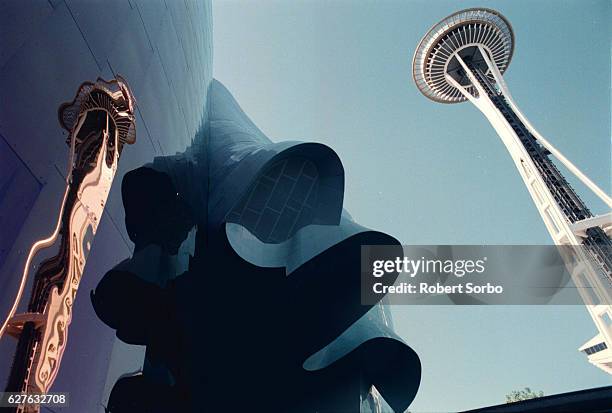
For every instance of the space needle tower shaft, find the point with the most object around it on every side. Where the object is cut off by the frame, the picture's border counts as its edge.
(463, 58)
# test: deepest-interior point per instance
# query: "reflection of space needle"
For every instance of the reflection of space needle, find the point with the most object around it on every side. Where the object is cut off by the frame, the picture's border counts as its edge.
(463, 58)
(100, 122)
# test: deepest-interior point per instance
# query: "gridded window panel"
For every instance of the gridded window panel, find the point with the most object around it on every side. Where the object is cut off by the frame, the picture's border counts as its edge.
(280, 202)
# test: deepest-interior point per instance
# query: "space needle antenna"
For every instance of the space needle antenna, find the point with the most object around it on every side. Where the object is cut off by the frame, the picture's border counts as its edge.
(463, 58)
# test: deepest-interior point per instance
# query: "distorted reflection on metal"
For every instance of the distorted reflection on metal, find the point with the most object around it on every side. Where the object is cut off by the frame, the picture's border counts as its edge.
(100, 121)
(271, 299)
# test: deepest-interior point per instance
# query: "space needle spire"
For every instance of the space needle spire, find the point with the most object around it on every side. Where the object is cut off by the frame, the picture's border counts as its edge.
(463, 58)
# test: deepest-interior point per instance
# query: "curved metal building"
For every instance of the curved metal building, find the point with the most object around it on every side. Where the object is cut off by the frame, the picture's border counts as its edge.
(224, 264)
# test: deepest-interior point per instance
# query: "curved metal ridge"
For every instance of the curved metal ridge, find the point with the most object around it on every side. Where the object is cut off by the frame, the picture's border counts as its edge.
(469, 27)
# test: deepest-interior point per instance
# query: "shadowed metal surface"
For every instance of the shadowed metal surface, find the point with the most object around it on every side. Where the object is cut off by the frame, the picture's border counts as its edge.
(48, 48)
(282, 299)
(215, 158)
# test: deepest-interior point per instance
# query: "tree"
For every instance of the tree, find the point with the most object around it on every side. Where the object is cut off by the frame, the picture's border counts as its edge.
(526, 394)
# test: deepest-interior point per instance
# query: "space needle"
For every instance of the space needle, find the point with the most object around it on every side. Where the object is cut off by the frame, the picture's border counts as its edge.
(463, 58)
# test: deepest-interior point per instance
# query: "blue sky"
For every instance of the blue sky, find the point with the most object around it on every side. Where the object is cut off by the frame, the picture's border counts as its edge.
(338, 72)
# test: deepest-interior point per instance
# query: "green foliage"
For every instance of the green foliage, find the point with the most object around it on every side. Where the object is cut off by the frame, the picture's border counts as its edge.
(526, 394)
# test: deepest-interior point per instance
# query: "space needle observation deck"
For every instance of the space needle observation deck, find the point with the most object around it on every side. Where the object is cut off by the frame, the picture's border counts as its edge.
(464, 34)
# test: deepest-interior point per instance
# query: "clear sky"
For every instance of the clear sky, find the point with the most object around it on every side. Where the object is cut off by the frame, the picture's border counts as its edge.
(339, 72)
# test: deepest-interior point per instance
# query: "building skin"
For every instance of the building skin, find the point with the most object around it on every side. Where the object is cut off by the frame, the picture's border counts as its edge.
(231, 257)
(260, 306)
(48, 49)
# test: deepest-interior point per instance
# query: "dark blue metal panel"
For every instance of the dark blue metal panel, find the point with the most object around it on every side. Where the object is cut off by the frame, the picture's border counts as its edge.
(18, 191)
(29, 14)
(48, 48)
